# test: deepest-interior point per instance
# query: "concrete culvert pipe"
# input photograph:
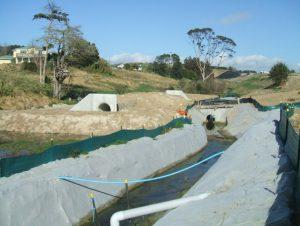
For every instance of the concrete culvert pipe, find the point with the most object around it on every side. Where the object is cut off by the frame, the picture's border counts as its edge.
(210, 122)
(104, 107)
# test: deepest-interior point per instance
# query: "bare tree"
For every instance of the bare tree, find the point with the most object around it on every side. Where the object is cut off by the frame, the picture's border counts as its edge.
(210, 49)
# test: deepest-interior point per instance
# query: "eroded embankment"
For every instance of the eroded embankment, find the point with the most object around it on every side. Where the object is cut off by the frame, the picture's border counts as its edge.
(251, 184)
(37, 197)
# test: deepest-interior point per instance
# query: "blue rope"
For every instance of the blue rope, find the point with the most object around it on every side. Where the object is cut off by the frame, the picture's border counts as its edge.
(105, 181)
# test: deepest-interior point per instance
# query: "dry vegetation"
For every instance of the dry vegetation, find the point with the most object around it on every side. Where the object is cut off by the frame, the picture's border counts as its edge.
(137, 110)
(129, 81)
(21, 89)
(260, 87)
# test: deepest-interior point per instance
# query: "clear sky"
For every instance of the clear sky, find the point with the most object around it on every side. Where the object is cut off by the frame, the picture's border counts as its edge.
(265, 31)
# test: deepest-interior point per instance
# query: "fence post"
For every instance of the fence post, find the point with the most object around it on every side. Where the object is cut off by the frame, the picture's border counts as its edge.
(93, 208)
(127, 192)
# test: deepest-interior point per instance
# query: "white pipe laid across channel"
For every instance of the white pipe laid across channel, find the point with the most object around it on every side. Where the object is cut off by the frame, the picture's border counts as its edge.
(154, 208)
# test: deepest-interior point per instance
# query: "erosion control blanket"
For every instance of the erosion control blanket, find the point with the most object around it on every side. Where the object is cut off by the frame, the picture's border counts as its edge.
(37, 197)
(251, 184)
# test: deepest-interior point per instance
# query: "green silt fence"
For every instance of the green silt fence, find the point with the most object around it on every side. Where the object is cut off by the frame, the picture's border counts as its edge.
(266, 108)
(10, 166)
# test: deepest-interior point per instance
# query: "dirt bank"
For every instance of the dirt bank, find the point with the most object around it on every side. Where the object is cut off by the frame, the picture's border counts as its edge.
(137, 110)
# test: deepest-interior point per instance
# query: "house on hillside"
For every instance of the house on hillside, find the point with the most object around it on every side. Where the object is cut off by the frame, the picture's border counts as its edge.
(121, 66)
(27, 54)
(24, 54)
(7, 59)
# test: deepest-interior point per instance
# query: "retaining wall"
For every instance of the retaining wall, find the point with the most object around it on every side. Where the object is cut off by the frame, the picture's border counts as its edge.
(37, 197)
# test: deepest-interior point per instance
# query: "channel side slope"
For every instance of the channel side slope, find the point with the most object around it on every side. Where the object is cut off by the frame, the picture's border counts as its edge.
(246, 189)
(37, 197)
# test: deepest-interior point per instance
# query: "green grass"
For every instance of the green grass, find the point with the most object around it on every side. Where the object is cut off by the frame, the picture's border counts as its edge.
(242, 87)
(33, 143)
(14, 82)
(177, 125)
(116, 142)
(145, 88)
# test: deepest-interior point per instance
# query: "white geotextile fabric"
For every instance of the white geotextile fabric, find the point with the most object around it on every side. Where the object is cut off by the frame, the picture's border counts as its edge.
(37, 197)
(244, 182)
(240, 118)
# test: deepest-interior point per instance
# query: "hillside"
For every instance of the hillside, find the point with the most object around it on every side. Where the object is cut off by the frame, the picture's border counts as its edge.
(21, 89)
(260, 87)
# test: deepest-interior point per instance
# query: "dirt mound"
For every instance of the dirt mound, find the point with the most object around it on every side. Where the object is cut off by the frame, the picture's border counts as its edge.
(137, 110)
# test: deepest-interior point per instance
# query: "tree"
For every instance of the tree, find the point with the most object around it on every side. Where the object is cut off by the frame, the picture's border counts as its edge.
(279, 73)
(8, 49)
(168, 65)
(177, 70)
(63, 38)
(191, 64)
(210, 49)
(84, 53)
(53, 14)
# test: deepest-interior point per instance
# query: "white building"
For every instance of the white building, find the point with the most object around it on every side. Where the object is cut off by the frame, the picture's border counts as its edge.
(7, 59)
(121, 66)
(26, 54)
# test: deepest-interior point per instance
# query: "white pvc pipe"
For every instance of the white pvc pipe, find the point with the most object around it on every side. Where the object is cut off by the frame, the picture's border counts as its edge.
(141, 211)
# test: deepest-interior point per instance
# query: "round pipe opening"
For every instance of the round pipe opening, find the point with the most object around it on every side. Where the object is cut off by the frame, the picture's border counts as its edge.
(210, 122)
(104, 107)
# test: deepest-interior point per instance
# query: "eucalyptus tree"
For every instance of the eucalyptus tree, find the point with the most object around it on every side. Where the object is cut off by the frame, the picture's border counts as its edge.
(210, 49)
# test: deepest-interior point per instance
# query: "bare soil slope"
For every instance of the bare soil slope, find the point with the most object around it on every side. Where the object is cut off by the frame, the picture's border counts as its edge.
(137, 110)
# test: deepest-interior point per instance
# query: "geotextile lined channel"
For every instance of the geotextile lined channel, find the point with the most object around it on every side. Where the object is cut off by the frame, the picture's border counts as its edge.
(163, 190)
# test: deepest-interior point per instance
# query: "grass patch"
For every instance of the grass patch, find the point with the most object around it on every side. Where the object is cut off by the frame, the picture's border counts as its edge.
(242, 87)
(32, 143)
(116, 142)
(177, 125)
(146, 88)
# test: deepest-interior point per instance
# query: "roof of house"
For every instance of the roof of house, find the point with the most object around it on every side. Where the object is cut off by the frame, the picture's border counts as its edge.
(6, 57)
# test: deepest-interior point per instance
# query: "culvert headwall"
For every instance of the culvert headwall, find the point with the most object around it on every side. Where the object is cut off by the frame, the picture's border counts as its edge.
(97, 102)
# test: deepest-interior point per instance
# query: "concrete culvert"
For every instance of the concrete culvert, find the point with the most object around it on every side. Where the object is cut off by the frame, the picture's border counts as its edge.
(210, 122)
(104, 107)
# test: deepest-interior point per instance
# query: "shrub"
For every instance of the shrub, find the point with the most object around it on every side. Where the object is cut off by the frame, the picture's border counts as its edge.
(29, 66)
(189, 74)
(83, 53)
(6, 89)
(179, 124)
(279, 73)
(74, 153)
(100, 66)
(210, 86)
(187, 86)
(121, 89)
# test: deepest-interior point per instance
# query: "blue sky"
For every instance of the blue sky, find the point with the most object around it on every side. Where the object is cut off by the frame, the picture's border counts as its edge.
(266, 31)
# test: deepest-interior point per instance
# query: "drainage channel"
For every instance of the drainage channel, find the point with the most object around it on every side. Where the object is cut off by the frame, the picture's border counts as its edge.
(162, 190)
